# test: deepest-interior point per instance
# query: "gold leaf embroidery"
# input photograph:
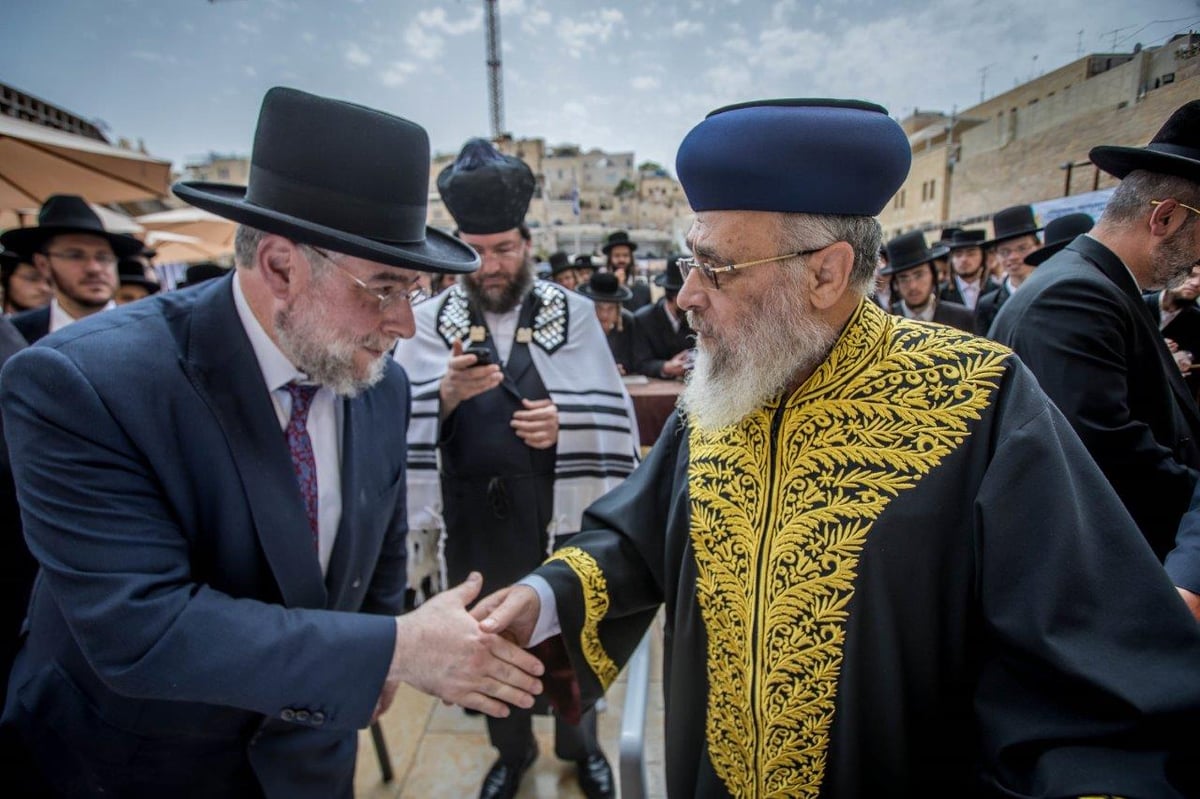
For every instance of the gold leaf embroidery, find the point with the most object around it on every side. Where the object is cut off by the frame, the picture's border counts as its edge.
(595, 602)
(777, 541)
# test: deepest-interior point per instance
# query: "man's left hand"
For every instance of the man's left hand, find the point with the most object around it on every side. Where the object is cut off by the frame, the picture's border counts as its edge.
(537, 425)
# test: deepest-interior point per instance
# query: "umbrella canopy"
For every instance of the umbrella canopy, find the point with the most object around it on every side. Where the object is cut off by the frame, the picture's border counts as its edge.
(214, 231)
(36, 162)
(172, 248)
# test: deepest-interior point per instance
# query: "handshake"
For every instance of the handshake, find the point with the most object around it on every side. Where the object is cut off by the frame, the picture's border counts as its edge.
(468, 656)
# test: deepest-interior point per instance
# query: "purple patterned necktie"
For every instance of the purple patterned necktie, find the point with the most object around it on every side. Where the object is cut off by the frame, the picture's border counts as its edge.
(300, 447)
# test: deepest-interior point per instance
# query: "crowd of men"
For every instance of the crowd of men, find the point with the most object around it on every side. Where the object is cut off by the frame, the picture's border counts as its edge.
(926, 519)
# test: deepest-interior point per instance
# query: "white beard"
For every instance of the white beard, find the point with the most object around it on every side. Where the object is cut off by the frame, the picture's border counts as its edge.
(738, 375)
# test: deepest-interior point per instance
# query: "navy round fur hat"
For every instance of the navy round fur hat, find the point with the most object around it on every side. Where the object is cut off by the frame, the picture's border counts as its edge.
(815, 156)
(485, 190)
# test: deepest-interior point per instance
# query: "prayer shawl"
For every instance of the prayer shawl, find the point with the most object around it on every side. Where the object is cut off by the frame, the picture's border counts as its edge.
(597, 438)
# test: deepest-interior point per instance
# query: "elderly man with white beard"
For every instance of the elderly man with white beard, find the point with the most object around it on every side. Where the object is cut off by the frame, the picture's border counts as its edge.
(888, 566)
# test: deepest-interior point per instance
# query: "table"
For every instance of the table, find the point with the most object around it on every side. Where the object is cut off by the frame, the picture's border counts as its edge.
(653, 402)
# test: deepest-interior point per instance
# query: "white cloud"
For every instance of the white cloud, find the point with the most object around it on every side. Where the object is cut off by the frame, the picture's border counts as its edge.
(582, 36)
(397, 73)
(357, 56)
(436, 18)
(645, 83)
(247, 27)
(251, 72)
(684, 28)
(536, 20)
(308, 37)
(153, 58)
(422, 44)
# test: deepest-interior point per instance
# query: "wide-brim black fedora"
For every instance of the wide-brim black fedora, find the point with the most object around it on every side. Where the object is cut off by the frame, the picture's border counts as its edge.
(961, 239)
(1174, 150)
(604, 287)
(671, 278)
(909, 250)
(130, 272)
(342, 176)
(618, 238)
(1059, 233)
(1012, 222)
(62, 214)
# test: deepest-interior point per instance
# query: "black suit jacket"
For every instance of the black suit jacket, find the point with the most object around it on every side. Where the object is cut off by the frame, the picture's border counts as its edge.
(640, 298)
(17, 566)
(654, 340)
(33, 324)
(988, 307)
(1081, 325)
(947, 313)
(950, 291)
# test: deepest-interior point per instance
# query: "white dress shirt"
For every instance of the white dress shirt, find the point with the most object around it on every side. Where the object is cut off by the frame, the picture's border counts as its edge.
(59, 318)
(503, 327)
(969, 289)
(324, 422)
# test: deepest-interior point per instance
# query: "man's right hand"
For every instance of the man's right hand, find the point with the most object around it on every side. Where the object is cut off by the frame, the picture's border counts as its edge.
(677, 366)
(464, 379)
(512, 612)
(441, 650)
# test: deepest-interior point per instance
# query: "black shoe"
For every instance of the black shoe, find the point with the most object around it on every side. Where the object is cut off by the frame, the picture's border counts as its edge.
(596, 778)
(503, 779)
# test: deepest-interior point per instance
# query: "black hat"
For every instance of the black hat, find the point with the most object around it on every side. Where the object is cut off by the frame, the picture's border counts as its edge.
(671, 278)
(198, 273)
(949, 233)
(131, 272)
(604, 287)
(961, 239)
(1059, 233)
(484, 190)
(583, 261)
(338, 175)
(908, 251)
(559, 263)
(65, 213)
(9, 261)
(1012, 223)
(1174, 150)
(618, 238)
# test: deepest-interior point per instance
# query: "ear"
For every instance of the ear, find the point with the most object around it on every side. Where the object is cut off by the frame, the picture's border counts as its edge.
(1164, 214)
(278, 260)
(829, 274)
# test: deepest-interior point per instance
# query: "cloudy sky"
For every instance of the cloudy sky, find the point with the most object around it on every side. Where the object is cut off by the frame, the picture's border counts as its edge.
(187, 76)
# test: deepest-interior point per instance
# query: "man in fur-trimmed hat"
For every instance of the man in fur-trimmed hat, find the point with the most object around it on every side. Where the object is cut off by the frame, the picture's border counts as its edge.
(520, 421)
(1080, 324)
(212, 482)
(888, 566)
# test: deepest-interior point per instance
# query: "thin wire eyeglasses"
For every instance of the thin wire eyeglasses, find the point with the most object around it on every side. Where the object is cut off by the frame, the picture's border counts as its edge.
(686, 265)
(388, 296)
(83, 258)
(1185, 205)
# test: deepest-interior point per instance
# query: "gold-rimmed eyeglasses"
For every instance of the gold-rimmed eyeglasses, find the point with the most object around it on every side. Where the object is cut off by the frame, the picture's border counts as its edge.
(387, 296)
(710, 272)
(1185, 205)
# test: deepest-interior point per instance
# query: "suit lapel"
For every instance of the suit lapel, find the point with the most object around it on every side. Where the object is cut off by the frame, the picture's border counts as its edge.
(221, 365)
(519, 359)
(354, 436)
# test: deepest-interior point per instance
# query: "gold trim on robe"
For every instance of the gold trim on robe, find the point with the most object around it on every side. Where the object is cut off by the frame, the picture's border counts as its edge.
(779, 519)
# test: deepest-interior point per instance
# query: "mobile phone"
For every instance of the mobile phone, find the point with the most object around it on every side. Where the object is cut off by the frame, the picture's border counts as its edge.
(482, 353)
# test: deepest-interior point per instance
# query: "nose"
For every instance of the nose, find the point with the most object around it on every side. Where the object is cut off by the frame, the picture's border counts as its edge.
(692, 295)
(398, 321)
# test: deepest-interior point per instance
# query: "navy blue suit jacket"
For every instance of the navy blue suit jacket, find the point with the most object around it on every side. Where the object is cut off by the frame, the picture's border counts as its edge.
(181, 638)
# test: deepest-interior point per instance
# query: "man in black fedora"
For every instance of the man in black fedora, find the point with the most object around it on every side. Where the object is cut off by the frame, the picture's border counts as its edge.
(910, 265)
(618, 252)
(197, 273)
(969, 279)
(519, 421)
(135, 284)
(605, 290)
(212, 482)
(70, 244)
(1014, 236)
(663, 340)
(1081, 325)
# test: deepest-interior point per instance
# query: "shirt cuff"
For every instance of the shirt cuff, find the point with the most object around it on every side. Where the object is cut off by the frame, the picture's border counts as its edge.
(547, 624)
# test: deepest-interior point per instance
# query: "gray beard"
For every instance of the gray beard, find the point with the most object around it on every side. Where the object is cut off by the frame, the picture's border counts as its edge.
(732, 379)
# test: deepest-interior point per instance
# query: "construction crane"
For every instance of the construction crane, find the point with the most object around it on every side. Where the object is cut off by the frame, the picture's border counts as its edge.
(495, 82)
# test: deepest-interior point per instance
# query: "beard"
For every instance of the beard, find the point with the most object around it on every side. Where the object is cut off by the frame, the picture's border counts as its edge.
(1174, 258)
(735, 373)
(502, 298)
(322, 353)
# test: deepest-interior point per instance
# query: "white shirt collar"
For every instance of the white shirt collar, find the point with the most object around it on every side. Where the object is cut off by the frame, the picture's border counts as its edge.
(59, 318)
(276, 369)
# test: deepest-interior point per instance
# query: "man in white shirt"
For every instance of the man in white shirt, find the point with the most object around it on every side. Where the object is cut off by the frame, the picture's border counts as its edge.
(71, 245)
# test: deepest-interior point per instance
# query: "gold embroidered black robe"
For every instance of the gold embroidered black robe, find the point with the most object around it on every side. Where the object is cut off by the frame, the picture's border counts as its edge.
(906, 579)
